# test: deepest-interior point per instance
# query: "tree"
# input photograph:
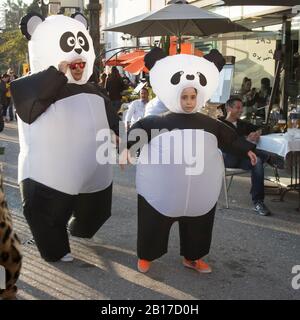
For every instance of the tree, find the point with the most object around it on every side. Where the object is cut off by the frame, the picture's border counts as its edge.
(34, 7)
(13, 50)
(14, 11)
(13, 46)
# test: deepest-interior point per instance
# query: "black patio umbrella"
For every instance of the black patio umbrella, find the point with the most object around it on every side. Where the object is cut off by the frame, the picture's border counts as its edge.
(289, 3)
(177, 18)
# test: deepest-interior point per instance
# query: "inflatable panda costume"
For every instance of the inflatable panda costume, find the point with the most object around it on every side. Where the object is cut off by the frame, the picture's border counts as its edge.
(165, 192)
(58, 120)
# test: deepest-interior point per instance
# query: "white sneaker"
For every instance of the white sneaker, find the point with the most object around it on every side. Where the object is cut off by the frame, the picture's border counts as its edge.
(67, 258)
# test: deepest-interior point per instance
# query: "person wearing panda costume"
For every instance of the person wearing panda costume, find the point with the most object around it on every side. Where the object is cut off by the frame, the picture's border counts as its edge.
(169, 192)
(59, 115)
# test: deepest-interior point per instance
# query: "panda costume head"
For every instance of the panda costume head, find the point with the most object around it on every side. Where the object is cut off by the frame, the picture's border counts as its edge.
(169, 76)
(58, 38)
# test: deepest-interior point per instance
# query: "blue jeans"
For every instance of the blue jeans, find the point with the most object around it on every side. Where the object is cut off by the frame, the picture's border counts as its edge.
(257, 172)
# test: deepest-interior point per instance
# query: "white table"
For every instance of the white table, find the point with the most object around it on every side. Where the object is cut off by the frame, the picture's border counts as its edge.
(286, 145)
(279, 143)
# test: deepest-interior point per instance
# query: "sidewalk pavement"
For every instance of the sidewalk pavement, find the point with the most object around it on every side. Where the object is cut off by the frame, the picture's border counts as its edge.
(252, 257)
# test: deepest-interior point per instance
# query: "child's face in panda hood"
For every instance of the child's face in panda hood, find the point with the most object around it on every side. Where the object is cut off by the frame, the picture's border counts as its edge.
(60, 38)
(188, 99)
(172, 75)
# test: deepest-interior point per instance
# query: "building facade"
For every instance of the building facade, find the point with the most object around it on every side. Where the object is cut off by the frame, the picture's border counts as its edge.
(66, 6)
(115, 11)
(253, 51)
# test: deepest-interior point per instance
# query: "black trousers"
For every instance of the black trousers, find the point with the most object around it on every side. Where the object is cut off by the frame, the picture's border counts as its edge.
(154, 228)
(48, 211)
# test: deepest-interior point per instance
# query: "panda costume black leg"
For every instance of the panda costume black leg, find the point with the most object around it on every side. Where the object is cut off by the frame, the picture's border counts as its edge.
(90, 212)
(196, 235)
(47, 212)
(59, 119)
(168, 192)
(192, 230)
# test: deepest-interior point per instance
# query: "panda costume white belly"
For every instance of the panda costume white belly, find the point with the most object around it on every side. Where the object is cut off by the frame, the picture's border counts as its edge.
(168, 192)
(182, 196)
(72, 157)
(59, 119)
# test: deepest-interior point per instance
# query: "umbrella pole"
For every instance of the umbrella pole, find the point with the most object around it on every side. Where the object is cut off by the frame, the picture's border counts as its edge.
(286, 46)
(179, 44)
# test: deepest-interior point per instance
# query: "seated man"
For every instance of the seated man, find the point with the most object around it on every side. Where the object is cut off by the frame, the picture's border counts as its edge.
(250, 132)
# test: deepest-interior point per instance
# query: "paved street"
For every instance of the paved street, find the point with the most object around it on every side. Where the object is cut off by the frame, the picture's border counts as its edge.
(252, 257)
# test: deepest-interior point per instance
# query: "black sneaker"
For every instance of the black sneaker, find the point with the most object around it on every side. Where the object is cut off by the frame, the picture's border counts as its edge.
(261, 209)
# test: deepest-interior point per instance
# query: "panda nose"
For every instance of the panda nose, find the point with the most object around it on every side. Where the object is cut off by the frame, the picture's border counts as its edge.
(78, 50)
(190, 77)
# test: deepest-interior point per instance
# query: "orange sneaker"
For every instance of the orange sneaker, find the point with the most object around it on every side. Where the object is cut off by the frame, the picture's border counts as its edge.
(197, 265)
(143, 265)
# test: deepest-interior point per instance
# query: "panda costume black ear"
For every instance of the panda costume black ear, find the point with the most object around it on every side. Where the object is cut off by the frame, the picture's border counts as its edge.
(215, 57)
(152, 56)
(81, 18)
(29, 23)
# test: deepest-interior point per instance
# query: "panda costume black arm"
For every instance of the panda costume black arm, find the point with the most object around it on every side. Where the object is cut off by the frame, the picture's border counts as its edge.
(33, 94)
(228, 140)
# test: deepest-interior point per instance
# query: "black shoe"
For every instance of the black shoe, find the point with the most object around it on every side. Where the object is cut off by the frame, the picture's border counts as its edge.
(261, 209)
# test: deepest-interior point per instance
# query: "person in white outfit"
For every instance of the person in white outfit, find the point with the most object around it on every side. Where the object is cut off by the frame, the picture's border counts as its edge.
(136, 109)
(155, 107)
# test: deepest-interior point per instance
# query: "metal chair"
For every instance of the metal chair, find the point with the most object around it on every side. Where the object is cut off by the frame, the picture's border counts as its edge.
(230, 172)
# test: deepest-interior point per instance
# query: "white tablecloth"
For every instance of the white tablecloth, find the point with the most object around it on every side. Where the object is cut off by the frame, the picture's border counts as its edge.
(279, 143)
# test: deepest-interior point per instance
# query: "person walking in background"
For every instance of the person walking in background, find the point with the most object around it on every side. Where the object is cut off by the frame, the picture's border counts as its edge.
(155, 107)
(136, 109)
(2, 102)
(114, 87)
(5, 95)
(10, 109)
(102, 82)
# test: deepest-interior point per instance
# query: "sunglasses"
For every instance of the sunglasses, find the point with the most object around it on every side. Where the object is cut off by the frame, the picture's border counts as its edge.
(74, 66)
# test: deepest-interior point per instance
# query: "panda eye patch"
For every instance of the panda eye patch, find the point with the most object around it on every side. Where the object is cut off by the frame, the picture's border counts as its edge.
(67, 41)
(176, 77)
(83, 42)
(202, 79)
